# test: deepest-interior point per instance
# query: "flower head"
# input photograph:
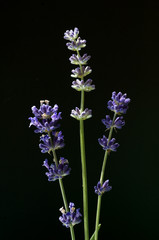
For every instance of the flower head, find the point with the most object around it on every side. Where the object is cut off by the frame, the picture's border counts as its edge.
(81, 72)
(81, 115)
(100, 189)
(77, 60)
(72, 217)
(46, 118)
(76, 45)
(71, 35)
(119, 103)
(57, 172)
(47, 145)
(80, 85)
(118, 123)
(108, 145)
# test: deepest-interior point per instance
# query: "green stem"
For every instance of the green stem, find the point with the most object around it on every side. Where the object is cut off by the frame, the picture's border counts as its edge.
(62, 188)
(60, 180)
(83, 163)
(101, 181)
(84, 181)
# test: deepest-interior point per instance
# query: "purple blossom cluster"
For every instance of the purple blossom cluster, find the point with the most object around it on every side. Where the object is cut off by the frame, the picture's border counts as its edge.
(72, 217)
(119, 105)
(78, 114)
(46, 120)
(80, 85)
(57, 172)
(100, 189)
(75, 44)
(56, 141)
(108, 145)
(118, 122)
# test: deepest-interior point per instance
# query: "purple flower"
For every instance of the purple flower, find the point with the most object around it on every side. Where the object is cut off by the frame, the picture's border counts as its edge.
(57, 172)
(119, 103)
(71, 35)
(47, 145)
(80, 85)
(102, 189)
(72, 217)
(77, 60)
(118, 123)
(45, 111)
(80, 73)
(79, 115)
(45, 118)
(108, 145)
(76, 45)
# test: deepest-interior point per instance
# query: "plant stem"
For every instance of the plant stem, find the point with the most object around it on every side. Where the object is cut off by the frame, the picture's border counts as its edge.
(101, 181)
(84, 181)
(62, 188)
(84, 168)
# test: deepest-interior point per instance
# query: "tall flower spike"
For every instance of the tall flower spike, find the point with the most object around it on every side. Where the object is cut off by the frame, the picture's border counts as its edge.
(81, 114)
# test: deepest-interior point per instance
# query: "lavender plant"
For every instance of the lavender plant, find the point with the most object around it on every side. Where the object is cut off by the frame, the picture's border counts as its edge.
(46, 120)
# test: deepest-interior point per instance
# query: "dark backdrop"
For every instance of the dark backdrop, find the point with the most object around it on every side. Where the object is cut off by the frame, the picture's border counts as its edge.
(123, 43)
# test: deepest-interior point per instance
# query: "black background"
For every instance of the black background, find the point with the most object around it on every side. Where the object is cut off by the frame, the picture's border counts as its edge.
(124, 44)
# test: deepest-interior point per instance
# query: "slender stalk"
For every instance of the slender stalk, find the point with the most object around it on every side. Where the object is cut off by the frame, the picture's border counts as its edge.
(84, 181)
(62, 188)
(84, 169)
(106, 152)
(101, 181)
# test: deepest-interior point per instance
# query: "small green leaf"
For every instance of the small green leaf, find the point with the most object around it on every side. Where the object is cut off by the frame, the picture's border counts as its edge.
(93, 236)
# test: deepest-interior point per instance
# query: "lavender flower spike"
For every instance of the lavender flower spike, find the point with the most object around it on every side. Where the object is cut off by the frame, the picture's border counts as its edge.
(87, 113)
(72, 217)
(108, 145)
(102, 189)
